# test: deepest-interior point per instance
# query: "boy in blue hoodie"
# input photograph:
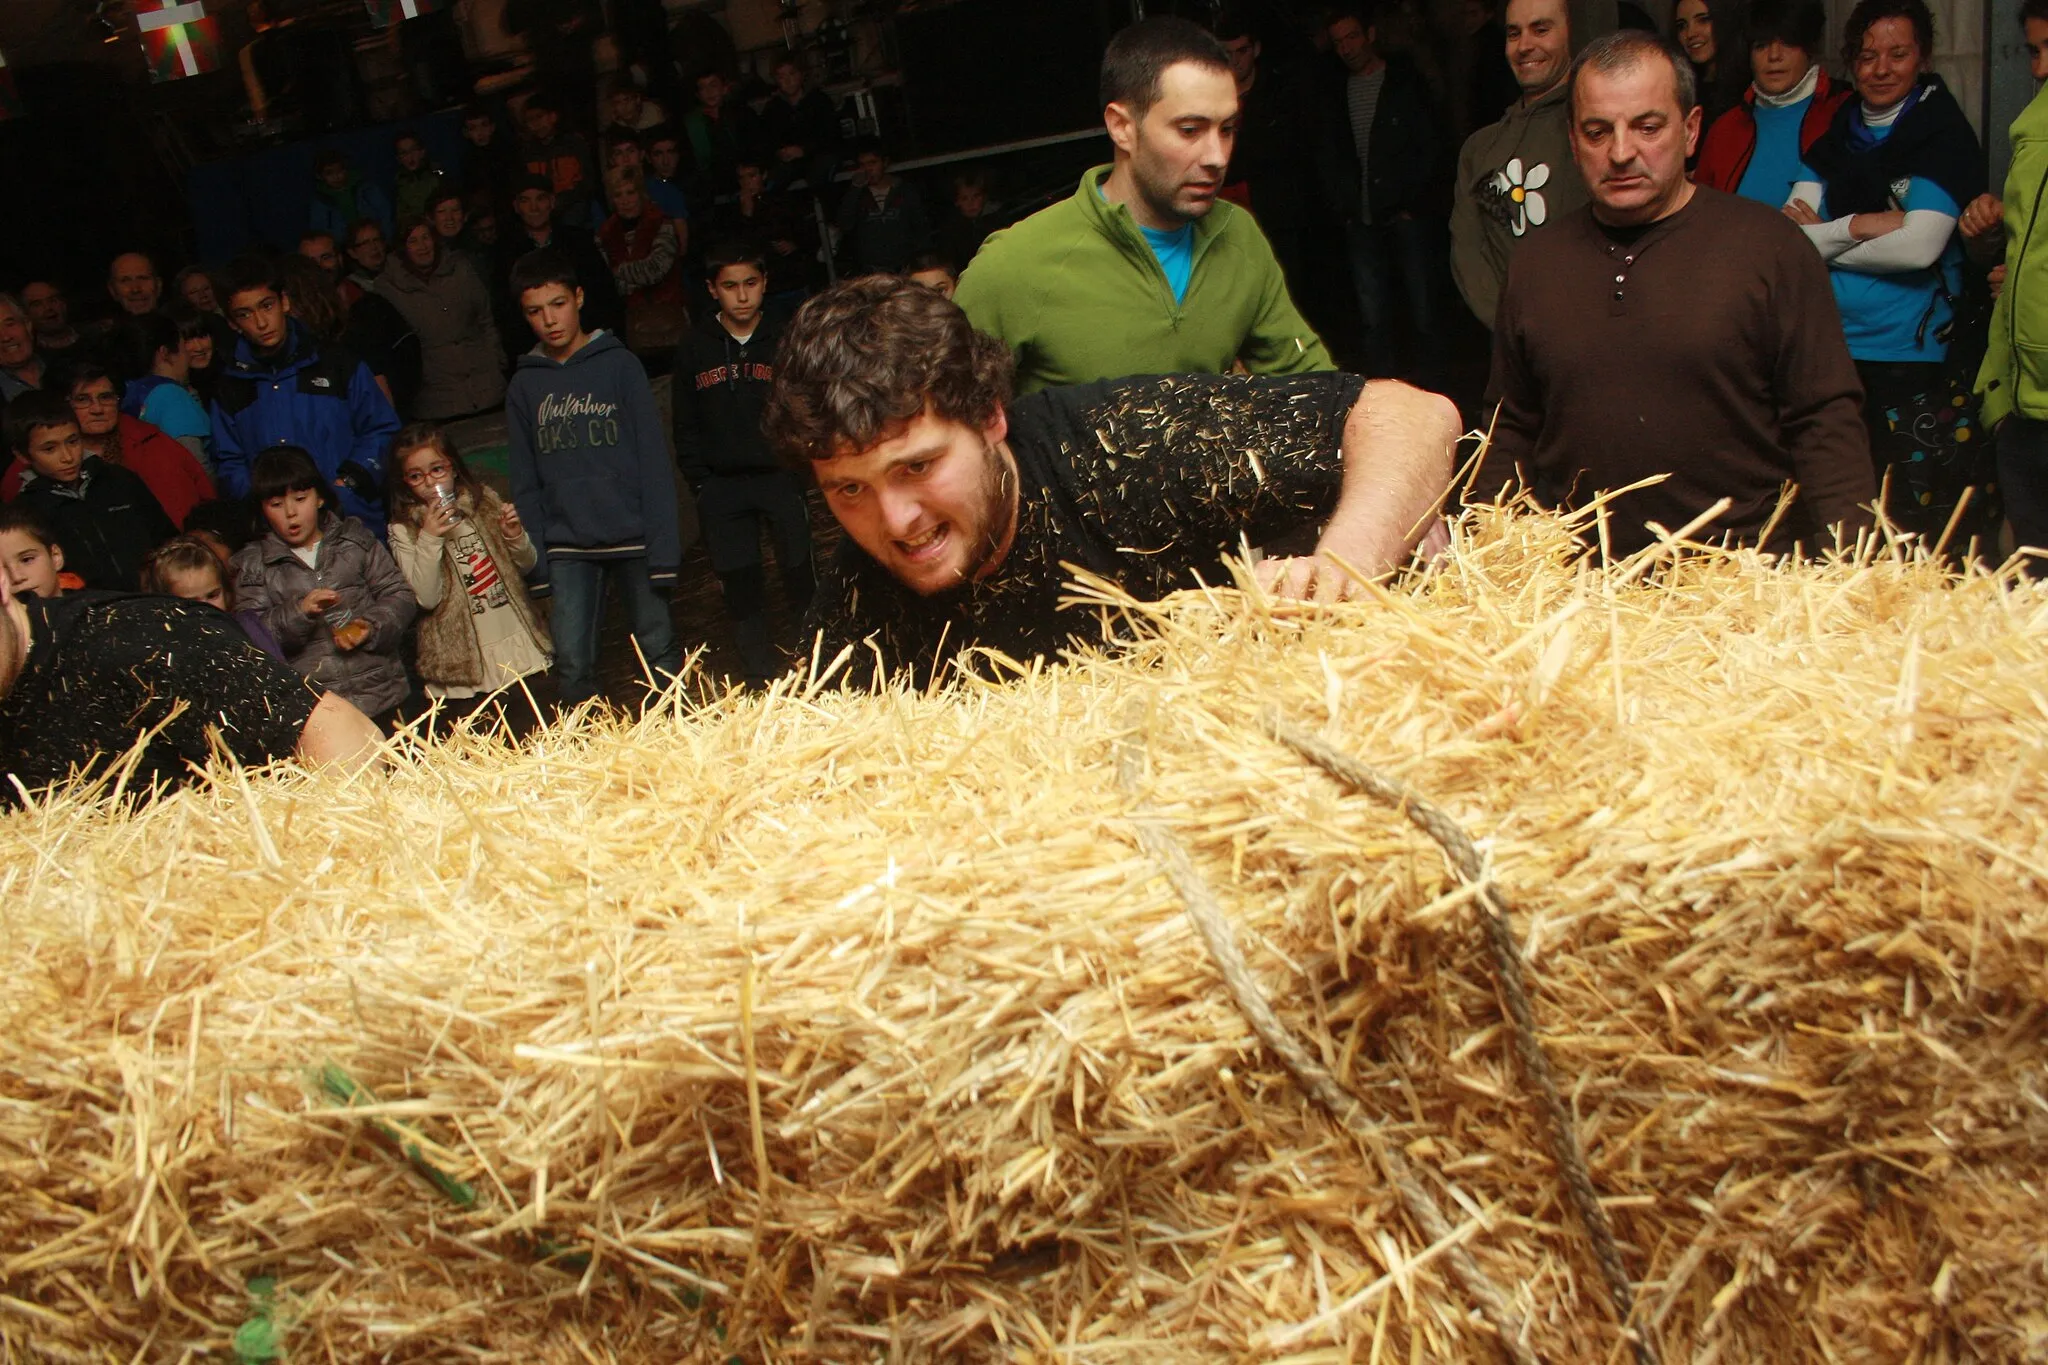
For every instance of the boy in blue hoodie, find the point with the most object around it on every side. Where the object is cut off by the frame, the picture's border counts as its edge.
(592, 479)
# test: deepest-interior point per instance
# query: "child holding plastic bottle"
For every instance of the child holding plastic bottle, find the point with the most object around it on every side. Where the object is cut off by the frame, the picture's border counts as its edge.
(483, 649)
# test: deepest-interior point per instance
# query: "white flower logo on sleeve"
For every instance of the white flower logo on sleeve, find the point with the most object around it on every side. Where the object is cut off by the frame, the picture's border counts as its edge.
(1518, 190)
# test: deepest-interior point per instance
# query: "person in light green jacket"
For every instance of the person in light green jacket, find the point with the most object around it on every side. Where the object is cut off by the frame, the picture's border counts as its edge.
(1144, 270)
(2013, 381)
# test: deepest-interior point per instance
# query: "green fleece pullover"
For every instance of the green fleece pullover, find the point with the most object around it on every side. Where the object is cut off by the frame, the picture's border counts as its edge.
(1076, 293)
(2014, 377)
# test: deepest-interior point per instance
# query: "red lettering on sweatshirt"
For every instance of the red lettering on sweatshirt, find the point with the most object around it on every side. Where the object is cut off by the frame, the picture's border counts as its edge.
(725, 374)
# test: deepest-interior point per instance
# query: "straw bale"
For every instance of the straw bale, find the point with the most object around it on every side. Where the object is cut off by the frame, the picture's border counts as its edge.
(860, 1027)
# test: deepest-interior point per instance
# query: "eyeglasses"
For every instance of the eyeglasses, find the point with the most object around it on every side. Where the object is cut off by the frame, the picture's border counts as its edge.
(104, 398)
(433, 473)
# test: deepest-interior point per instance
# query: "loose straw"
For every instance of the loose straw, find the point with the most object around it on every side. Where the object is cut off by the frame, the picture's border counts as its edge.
(1321, 1086)
(1507, 962)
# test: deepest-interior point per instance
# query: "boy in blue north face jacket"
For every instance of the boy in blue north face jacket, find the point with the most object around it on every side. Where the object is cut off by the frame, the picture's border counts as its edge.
(592, 479)
(285, 387)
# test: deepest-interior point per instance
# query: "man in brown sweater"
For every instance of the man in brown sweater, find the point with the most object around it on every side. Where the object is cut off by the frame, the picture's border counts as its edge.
(1672, 330)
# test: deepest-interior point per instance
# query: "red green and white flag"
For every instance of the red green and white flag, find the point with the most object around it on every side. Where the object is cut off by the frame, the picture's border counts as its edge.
(179, 40)
(385, 13)
(10, 98)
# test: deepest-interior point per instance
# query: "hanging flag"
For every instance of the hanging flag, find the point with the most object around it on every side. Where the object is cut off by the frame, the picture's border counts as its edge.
(179, 40)
(10, 97)
(385, 13)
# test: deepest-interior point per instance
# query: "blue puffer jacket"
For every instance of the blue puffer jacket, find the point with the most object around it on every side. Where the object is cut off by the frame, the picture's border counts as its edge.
(315, 396)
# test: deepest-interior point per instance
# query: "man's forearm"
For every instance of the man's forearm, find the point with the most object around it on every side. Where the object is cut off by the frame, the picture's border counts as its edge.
(1398, 442)
(338, 733)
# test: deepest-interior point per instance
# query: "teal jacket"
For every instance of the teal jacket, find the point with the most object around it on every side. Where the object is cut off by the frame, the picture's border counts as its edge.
(1077, 295)
(2014, 377)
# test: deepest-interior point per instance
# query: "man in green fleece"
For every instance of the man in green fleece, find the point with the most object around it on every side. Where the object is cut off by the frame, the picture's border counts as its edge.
(1143, 271)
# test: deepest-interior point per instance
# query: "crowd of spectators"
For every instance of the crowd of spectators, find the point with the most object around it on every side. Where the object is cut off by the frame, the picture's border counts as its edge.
(1705, 260)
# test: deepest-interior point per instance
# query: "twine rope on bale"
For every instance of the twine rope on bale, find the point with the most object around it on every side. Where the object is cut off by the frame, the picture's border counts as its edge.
(1464, 858)
(1324, 1088)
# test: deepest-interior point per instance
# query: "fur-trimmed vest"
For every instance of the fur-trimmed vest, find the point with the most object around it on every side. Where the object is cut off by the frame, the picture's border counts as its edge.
(448, 650)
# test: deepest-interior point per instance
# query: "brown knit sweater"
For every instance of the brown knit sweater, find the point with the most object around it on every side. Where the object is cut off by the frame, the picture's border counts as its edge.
(1708, 349)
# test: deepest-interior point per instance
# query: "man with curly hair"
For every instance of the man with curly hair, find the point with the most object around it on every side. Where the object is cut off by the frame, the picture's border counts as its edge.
(966, 512)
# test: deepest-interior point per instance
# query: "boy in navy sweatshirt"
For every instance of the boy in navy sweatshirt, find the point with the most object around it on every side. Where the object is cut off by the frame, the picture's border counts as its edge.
(723, 370)
(591, 478)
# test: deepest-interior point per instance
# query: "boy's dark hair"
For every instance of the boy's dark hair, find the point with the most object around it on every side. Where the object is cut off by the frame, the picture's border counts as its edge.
(328, 157)
(618, 135)
(316, 302)
(538, 269)
(286, 469)
(932, 260)
(1139, 55)
(32, 411)
(150, 333)
(1868, 12)
(406, 135)
(1796, 23)
(355, 229)
(660, 132)
(478, 109)
(15, 517)
(868, 142)
(248, 273)
(224, 518)
(544, 101)
(971, 178)
(2033, 9)
(734, 252)
(441, 196)
(867, 356)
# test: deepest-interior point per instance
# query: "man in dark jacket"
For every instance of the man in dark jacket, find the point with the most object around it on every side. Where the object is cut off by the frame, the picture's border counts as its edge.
(724, 368)
(535, 228)
(1383, 166)
(284, 386)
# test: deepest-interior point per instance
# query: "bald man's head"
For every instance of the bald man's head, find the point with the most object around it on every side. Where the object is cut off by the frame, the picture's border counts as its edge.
(134, 284)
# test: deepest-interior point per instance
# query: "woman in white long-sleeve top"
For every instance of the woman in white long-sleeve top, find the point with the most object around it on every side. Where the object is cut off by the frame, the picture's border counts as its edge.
(1896, 166)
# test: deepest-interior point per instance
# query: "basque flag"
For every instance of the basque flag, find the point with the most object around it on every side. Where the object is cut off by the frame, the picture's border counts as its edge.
(179, 40)
(385, 13)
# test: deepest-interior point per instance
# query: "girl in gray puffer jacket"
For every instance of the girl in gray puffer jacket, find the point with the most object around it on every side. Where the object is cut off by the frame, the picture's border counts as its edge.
(327, 588)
